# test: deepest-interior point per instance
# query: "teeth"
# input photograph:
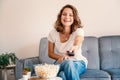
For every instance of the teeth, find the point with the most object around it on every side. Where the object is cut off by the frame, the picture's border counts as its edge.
(67, 20)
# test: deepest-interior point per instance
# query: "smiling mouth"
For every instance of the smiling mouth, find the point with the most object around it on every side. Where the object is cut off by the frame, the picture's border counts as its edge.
(67, 21)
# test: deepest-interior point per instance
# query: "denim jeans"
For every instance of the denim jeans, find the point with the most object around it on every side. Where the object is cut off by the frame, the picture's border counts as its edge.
(71, 69)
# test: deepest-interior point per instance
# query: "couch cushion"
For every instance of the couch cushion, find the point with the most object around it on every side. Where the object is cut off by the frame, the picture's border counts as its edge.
(115, 73)
(90, 51)
(109, 52)
(43, 52)
(94, 73)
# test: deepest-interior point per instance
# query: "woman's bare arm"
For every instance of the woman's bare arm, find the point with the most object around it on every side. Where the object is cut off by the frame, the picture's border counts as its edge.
(78, 40)
(53, 55)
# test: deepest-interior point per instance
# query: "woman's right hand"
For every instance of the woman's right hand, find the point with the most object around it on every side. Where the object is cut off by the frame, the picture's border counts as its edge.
(62, 58)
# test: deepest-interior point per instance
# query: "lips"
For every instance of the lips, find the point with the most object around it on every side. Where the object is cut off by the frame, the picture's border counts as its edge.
(67, 21)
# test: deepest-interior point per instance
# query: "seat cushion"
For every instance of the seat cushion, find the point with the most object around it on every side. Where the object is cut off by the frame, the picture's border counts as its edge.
(94, 74)
(115, 73)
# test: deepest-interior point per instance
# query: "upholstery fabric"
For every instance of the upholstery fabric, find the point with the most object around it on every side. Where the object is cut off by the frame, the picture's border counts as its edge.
(110, 55)
(19, 69)
(94, 73)
(110, 52)
(115, 73)
(22, 63)
(90, 51)
(43, 52)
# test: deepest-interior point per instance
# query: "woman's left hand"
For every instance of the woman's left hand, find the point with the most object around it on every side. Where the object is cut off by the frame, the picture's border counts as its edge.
(66, 56)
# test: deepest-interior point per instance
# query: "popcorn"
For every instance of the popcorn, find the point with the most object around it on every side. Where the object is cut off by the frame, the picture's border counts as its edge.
(47, 70)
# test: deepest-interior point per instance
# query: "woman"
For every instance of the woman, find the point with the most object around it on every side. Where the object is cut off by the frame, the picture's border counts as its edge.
(67, 36)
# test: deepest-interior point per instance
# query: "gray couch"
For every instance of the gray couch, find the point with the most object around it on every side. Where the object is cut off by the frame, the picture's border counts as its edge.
(103, 56)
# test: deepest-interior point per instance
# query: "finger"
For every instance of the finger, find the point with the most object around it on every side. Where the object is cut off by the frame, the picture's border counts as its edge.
(65, 57)
(72, 49)
(60, 60)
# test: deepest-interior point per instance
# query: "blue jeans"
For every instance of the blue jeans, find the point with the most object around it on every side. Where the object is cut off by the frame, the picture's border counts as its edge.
(71, 70)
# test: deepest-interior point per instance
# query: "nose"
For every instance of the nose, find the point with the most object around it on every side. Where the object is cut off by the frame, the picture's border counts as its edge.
(67, 16)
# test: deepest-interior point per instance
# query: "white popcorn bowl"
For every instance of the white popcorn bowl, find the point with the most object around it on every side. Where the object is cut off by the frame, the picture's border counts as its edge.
(46, 70)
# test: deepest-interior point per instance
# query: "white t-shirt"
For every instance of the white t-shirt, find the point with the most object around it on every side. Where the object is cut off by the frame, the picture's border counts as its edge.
(62, 47)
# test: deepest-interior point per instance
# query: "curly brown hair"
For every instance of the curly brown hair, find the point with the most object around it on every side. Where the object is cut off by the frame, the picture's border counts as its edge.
(76, 24)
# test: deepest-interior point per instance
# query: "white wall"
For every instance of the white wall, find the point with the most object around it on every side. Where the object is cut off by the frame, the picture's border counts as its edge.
(24, 22)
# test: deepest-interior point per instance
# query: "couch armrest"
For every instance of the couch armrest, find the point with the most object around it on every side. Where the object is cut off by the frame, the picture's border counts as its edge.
(19, 69)
(32, 61)
(22, 63)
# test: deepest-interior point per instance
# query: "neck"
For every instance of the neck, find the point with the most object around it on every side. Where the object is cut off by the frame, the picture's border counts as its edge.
(67, 30)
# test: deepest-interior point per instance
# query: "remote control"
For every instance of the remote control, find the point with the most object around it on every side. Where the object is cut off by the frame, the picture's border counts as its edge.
(70, 53)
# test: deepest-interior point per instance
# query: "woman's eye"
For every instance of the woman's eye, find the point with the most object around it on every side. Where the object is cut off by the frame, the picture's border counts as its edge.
(64, 14)
(71, 15)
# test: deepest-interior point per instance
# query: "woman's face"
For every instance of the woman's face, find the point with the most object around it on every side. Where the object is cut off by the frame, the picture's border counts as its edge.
(67, 17)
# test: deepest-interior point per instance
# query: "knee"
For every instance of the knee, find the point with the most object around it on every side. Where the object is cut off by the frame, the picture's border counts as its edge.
(68, 63)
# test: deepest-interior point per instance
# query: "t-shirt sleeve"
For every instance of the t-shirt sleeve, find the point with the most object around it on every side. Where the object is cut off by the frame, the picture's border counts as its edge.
(51, 36)
(80, 32)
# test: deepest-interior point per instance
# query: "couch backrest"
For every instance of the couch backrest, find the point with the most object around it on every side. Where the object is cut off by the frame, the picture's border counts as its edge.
(109, 52)
(90, 51)
(43, 51)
